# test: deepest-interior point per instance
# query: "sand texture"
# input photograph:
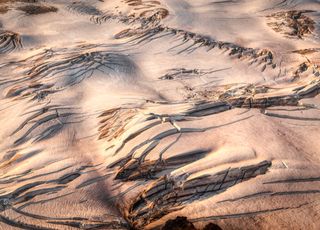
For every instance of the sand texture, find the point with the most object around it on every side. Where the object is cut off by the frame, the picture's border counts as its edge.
(167, 114)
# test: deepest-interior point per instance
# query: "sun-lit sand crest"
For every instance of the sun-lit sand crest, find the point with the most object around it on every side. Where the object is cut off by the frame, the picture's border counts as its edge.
(119, 114)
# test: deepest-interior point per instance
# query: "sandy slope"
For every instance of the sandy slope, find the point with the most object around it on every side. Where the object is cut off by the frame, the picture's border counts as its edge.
(130, 113)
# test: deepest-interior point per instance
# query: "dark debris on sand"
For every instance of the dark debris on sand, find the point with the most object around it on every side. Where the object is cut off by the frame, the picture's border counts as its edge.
(182, 223)
(37, 9)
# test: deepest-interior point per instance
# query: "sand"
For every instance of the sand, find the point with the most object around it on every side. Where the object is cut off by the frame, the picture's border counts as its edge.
(119, 114)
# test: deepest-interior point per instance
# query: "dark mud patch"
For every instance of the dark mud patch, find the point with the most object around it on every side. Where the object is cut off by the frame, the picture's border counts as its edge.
(212, 226)
(37, 9)
(182, 223)
(26, 1)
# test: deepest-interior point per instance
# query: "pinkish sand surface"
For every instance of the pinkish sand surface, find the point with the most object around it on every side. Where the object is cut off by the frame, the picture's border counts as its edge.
(169, 114)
